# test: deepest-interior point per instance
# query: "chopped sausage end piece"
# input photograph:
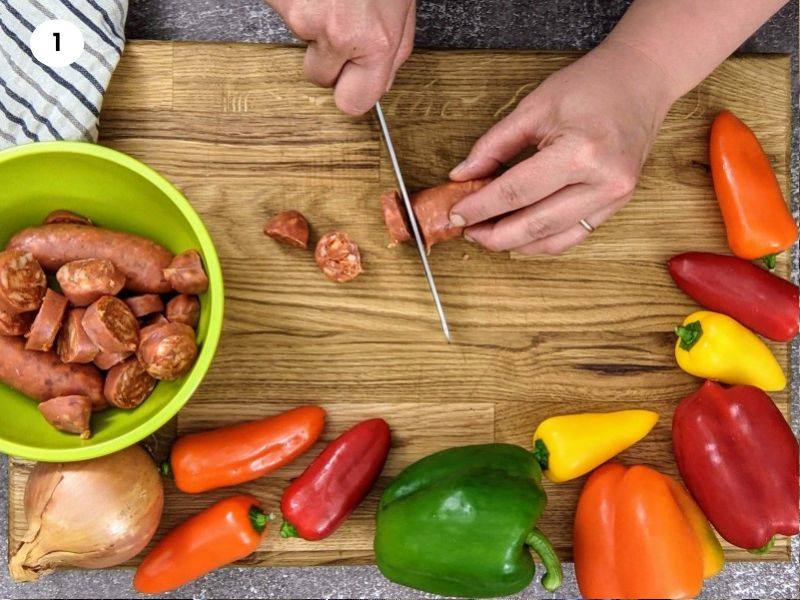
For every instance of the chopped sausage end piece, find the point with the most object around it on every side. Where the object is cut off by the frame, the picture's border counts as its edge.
(47, 323)
(85, 281)
(12, 324)
(110, 324)
(186, 274)
(74, 346)
(22, 282)
(167, 351)
(128, 384)
(144, 305)
(338, 257)
(70, 414)
(290, 228)
(184, 309)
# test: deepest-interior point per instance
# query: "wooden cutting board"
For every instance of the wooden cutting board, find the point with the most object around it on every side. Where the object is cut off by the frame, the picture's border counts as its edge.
(241, 133)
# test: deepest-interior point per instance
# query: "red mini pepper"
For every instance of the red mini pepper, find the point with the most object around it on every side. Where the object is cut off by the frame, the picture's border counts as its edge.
(332, 486)
(226, 532)
(756, 298)
(739, 459)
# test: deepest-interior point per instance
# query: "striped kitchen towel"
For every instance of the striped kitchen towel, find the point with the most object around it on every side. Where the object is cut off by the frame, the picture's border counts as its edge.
(39, 102)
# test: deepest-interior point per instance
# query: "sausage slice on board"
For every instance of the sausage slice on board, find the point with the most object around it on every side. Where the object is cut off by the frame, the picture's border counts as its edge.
(167, 351)
(338, 257)
(74, 346)
(69, 413)
(290, 228)
(47, 323)
(22, 282)
(85, 281)
(186, 274)
(128, 384)
(110, 324)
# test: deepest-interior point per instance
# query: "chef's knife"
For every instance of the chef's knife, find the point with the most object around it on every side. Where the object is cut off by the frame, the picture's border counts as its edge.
(423, 255)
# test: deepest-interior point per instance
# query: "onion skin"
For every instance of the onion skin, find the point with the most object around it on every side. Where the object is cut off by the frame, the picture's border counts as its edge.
(94, 514)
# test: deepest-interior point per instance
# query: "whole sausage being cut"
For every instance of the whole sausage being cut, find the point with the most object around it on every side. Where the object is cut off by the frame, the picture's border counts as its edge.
(142, 261)
(15, 324)
(22, 282)
(338, 257)
(128, 384)
(74, 346)
(289, 227)
(42, 375)
(47, 323)
(186, 274)
(85, 281)
(69, 413)
(167, 351)
(184, 309)
(110, 324)
(431, 209)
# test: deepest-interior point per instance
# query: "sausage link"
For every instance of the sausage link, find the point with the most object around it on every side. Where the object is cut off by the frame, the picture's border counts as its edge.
(69, 413)
(66, 216)
(107, 360)
(186, 274)
(289, 227)
(144, 305)
(167, 351)
(142, 261)
(128, 384)
(22, 282)
(15, 324)
(110, 324)
(47, 323)
(85, 281)
(394, 217)
(42, 375)
(74, 346)
(184, 309)
(338, 257)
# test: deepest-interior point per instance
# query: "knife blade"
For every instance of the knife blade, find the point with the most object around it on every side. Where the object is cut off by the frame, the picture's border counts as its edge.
(412, 220)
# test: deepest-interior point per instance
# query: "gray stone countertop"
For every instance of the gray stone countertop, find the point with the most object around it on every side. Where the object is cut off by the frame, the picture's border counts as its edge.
(553, 25)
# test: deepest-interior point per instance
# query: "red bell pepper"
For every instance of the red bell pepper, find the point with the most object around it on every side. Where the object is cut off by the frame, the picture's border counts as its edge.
(739, 459)
(756, 298)
(318, 501)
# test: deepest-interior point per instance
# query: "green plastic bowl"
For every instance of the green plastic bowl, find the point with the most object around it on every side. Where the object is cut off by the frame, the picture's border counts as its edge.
(118, 192)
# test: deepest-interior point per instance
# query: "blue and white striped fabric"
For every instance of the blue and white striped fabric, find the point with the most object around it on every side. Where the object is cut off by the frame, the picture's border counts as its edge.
(39, 103)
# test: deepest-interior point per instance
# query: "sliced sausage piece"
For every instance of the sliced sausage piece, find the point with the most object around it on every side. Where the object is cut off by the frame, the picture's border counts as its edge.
(74, 346)
(15, 324)
(167, 351)
(289, 227)
(142, 261)
(47, 323)
(186, 274)
(66, 216)
(338, 257)
(110, 324)
(106, 360)
(158, 319)
(395, 217)
(184, 309)
(69, 413)
(22, 282)
(42, 375)
(144, 305)
(128, 384)
(85, 281)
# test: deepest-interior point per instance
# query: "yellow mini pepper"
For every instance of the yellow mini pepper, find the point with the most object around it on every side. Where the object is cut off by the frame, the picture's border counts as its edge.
(715, 346)
(568, 446)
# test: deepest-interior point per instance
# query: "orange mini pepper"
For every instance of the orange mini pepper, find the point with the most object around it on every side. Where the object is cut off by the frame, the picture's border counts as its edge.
(638, 534)
(757, 220)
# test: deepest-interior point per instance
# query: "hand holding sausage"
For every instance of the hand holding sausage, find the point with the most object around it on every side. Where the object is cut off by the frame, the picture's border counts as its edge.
(355, 47)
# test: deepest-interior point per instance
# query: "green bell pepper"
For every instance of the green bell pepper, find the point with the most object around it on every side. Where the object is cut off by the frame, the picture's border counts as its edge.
(459, 523)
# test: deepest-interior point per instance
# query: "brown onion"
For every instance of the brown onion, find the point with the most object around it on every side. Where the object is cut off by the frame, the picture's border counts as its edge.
(94, 513)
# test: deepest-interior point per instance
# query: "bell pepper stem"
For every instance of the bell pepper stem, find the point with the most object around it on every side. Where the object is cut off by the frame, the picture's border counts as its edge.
(541, 454)
(166, 469)
(765, 548)
(769, 260)
(258, 519)
(553, 574)
(689, 334)
(288, 530)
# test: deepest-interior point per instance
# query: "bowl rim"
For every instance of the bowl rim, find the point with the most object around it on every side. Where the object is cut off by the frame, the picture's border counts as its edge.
(216, 292)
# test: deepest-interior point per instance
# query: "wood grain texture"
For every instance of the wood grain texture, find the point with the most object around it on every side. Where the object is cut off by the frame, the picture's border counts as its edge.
(240, 132)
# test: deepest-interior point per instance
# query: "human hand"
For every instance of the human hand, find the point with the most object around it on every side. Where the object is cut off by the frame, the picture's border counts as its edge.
(354, 46)
(593, 123)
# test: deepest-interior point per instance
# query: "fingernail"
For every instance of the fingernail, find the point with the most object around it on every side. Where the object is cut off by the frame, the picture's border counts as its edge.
(469, 238)
(457, 221)
(458, 168)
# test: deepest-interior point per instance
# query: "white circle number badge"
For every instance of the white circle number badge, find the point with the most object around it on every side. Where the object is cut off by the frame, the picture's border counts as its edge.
(57, 43)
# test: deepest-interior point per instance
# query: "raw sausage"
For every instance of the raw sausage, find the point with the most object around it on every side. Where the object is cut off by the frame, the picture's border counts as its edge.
(167, 351)
(74, 346)
(42, 375)
(338, 257)
(69, 413)
(128, 384)
(47, 323)
(66, 216)
(144, 305)
(431, 209)
(106, 360)
(110, 324)
(85, 281)
(289, 227)
(186, 274)
(22, 282)
(15, 324)
(184, 309)
(142, 261)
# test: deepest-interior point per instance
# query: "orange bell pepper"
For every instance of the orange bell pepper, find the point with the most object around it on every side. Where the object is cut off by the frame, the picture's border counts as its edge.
(638, 534)
(757, 220)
